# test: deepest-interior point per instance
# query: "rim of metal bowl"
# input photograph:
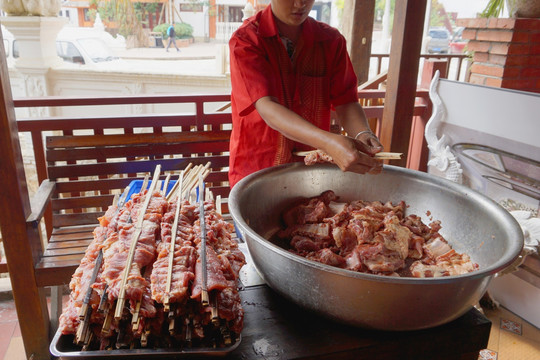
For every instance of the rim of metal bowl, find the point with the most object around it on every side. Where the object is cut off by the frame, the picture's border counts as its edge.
(510, 256)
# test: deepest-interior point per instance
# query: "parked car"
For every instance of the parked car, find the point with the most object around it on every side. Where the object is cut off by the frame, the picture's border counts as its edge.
(81, 47)
(457, 45)
(439, 41)
(73, 45)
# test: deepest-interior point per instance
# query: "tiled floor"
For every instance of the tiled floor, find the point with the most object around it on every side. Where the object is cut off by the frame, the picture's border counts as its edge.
(511, 337)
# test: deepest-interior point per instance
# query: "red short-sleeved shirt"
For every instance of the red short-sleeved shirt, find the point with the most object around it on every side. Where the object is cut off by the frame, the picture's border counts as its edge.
(319, 76)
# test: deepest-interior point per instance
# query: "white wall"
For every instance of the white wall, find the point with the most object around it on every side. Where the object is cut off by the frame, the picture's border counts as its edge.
(197, 20)
(71, 81)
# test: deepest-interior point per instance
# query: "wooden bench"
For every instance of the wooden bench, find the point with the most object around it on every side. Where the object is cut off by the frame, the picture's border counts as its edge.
(85, 173)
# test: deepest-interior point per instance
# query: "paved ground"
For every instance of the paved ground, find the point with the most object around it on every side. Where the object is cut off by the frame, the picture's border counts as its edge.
(194, 51)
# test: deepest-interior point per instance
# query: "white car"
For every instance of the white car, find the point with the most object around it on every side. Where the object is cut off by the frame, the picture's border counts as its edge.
(82, 46)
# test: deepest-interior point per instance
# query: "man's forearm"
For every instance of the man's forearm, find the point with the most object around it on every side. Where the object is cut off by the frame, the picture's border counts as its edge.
(352, 118)
(290, 124)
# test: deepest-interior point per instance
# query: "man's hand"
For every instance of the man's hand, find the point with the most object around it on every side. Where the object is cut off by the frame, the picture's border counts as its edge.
(354, 155)
(368, 143)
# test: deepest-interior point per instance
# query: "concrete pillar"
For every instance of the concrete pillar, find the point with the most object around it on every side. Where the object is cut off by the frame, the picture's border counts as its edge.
(36, 39)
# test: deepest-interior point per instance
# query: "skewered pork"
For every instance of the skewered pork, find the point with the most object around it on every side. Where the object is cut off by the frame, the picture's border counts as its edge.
(187, 321)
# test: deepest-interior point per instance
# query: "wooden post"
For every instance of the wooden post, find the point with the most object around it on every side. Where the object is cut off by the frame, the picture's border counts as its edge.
(358, 29)
(15, 207)
(402, 76)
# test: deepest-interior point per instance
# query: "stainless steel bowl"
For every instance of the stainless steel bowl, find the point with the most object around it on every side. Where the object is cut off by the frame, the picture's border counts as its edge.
(471, 223)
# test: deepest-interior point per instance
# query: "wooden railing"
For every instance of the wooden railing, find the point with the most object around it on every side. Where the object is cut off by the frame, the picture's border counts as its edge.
(205, 114)
(456, 69)
(201, 116)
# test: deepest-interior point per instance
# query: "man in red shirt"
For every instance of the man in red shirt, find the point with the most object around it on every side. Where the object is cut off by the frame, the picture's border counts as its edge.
(287, 72)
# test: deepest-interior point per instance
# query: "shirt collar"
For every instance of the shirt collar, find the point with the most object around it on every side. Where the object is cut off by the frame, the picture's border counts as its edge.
(268, 28)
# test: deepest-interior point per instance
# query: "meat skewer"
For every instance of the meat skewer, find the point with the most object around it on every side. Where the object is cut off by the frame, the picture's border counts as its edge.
(202, 220)
(172, 244)
(85, 312)
(327, 158)
(179, 317)
(97, 267)
(138, 229)
(104, 305)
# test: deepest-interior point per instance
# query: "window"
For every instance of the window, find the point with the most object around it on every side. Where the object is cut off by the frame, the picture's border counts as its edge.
(86, 15)
(235, 14)
(15, 49)
(438, 34)
(67, 51)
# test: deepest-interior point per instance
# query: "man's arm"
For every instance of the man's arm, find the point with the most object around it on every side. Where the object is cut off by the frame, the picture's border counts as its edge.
(344, 150)
(352, 118)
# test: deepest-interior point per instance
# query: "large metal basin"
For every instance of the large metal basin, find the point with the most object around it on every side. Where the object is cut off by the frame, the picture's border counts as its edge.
(471, 223)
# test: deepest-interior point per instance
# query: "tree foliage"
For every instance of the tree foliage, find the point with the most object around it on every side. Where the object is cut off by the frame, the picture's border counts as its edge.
(124, 15)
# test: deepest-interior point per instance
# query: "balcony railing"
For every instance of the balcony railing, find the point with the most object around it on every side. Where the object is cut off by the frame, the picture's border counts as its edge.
(457, 68)
(224, 30)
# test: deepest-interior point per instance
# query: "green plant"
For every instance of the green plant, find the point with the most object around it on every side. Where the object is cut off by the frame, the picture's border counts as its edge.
(494, 8)
(182, 30)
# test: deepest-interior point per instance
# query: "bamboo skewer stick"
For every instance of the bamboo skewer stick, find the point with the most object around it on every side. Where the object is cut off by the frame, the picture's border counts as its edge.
(218, 205)
(135, 319)
(87, 341)
(172, 244)
(226, 335)
(103, 299)
(202, 225)
(138, 229)
(166, 185)
(105, 330)
(208, 195)
(144, 335)
(192, 182)
(122, 200)
(83, 328)
(380, 155)
(88, 295)
(145, 183)
(174, 189)
(215, 315)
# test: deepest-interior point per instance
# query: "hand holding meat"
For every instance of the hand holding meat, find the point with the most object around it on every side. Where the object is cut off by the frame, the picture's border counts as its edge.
(354, 155)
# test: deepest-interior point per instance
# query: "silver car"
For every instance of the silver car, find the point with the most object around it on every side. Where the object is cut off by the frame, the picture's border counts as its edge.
(439, 41)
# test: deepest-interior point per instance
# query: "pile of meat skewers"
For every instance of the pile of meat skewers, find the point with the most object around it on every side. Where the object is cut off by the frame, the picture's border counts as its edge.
(370, 237)
(154, 277)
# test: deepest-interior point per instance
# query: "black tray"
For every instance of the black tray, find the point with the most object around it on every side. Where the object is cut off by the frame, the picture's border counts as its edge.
(62, 346)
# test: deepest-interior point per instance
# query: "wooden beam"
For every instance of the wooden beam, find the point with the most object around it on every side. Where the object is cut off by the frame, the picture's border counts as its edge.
(15, 208)
(358, 27)
(402, 76)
